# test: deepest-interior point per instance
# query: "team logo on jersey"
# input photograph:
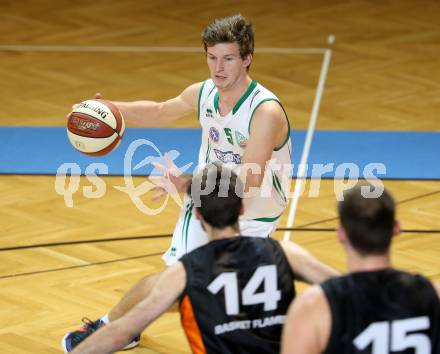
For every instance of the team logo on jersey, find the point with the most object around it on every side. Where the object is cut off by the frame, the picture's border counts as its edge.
(214, 134)
(228, 156)
(209, 113)
(241, 139)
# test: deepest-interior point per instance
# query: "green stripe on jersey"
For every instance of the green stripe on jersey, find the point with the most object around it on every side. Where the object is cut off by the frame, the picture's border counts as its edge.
(277, 185)
(200, 96)
(272, 219)
(243, 98)
(187, 226)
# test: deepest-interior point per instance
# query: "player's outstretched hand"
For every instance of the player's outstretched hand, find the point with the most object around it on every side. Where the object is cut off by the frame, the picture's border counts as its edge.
(98, 96)
(172, 181)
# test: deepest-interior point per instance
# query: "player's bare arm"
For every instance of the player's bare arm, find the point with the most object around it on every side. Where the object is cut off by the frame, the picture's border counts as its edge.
(305, 265)
(268, 130)
(150, 113)
(117, 334)
(437, 288)
(307, 328)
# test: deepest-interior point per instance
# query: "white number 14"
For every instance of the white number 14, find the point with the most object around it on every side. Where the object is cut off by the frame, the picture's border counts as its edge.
(264, 274)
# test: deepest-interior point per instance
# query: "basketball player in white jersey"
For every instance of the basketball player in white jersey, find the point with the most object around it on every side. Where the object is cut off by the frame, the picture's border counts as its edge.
(243, 125)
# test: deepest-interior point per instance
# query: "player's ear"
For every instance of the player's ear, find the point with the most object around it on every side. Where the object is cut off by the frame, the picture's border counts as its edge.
(396, 228)
(198, 215)
(247, 60)
(342, 235)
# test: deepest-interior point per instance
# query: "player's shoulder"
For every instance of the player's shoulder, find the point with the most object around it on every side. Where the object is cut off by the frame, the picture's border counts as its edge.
(190, 95)
(204, 86)
(269, 114)
(262, 95)
(194, 88)
(312, 295)
(437, 288)
(269, 106)
(311, 300)
(264, 102)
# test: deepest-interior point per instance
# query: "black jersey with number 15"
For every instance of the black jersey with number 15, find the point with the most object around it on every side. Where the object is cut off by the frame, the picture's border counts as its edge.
(237, 294)
(383, 312)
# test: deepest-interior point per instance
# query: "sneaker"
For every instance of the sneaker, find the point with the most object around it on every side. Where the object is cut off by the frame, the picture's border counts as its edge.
(72, 339)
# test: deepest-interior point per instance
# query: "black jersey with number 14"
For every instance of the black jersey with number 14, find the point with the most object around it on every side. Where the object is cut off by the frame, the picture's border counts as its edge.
(237, 294)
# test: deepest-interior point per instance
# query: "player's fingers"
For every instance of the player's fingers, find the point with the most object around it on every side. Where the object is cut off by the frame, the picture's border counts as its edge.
(156, 179)
(171, 166)
(157, 188)
(160, 167)
(159, 195)
(170, 163)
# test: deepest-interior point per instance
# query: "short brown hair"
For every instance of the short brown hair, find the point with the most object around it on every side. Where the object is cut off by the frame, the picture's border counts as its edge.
(228, 30)
(368, 222)
(216, 191)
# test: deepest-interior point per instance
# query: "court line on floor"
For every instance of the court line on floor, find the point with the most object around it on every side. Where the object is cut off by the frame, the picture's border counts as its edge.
(69, 243)
(160, 253)
(142, 49)
(302, 167)
(421, 196)
(107, 240)
(304, 227)
(331, 229)
(80, 266)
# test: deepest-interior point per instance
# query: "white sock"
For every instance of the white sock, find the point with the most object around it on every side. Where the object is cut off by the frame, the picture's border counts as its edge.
(105, 319)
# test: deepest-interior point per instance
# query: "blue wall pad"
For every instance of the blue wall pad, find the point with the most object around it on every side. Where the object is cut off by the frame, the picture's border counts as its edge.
(404, 155)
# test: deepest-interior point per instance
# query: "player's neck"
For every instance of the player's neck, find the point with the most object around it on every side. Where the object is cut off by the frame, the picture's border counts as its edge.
(229, 96)
(359, 263)
(227, 232)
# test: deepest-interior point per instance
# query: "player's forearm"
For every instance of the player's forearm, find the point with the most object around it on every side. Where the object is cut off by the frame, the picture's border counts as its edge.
(322, 272)
(147, 113)
(252, 178)
(312, 271)
(305, 265)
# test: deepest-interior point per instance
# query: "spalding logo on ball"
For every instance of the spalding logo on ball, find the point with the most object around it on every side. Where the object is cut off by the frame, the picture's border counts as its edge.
(95, 127)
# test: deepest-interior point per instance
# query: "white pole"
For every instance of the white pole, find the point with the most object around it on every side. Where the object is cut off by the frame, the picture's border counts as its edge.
(302, 170)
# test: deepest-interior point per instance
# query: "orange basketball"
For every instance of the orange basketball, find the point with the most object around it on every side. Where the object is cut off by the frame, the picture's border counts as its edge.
(95, 127)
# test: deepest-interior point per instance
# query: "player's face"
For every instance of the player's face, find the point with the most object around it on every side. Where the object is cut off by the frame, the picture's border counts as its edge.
(226, 64)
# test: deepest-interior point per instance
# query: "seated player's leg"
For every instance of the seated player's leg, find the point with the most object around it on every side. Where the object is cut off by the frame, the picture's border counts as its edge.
(136, 294)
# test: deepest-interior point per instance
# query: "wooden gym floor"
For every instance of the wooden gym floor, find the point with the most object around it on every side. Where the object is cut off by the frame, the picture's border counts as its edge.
(384, 75)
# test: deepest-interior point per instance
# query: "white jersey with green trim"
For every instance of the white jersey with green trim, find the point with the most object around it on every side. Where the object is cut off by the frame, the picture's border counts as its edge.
(224, 139)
